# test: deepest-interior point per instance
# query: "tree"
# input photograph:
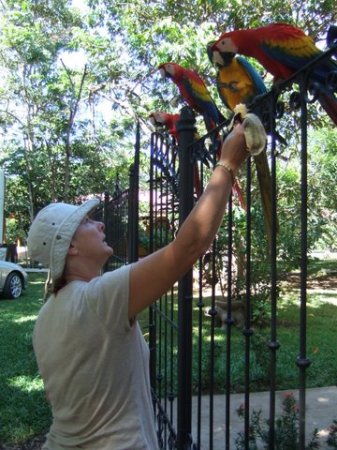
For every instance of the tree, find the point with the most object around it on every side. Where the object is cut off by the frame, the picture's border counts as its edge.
(47, 146)
(68, 130)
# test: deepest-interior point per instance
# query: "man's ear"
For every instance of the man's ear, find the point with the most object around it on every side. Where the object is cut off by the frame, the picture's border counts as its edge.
(72, 250)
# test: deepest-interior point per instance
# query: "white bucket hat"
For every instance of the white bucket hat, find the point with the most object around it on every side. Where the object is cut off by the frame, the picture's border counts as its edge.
(51, 232)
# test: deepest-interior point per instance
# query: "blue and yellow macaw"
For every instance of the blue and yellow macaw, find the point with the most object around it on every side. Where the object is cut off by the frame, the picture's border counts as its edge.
(239, 83)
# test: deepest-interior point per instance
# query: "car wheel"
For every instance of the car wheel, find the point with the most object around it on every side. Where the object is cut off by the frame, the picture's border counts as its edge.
(13, 286)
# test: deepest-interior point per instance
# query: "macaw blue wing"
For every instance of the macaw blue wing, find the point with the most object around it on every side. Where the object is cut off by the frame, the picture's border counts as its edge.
(257, 81)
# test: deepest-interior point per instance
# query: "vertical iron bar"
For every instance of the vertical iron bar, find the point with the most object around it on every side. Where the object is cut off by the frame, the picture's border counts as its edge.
(229, 322)
(302, 361)
(200, 335)
(212, 352)
(248, 332)
(131, 222)
(173, 338)
(166, 330)
(273, 344)
(200, 352)
(134, 203)
(105, 211)
(152, 327)
(159, 317)
(106, 225)
(186, 130)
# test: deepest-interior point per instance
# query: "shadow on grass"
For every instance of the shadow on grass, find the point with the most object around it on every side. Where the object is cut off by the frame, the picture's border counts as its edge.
(24, 413)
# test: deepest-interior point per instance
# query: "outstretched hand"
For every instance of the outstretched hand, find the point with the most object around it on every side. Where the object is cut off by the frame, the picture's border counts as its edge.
(247, 137)
(234, 149)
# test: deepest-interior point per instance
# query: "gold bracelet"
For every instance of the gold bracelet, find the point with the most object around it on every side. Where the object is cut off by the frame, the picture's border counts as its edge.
(227, 167)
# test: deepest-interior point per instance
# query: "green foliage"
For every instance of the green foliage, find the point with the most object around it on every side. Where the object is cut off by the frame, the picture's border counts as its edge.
(69, 129)
(286, 429)
(332, 438)
(52, 148)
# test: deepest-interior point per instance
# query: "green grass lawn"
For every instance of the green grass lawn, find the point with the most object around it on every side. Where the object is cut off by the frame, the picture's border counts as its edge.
(321, 340)
(24, 412)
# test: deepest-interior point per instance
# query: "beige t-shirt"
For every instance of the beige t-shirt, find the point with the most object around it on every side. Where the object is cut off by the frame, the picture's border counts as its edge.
(95, 368)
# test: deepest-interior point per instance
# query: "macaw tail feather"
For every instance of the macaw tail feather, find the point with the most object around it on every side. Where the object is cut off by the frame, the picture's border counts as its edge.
(329, 103)
(265, 185)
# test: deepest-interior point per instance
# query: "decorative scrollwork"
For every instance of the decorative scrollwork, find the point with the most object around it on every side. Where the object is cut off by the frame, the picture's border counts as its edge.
(295, 101)
(164, 429)
(331, 81)
(163, 152)
(331, 38)
(314, 91)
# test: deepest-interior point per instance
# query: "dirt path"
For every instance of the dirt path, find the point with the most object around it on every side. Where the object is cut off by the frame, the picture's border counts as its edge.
(322, 282)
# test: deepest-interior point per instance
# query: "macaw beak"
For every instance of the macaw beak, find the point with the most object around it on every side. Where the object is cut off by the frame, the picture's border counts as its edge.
(155, 118)
(214, 47)
(210, 51)
(217, 59)
(152, 119)
(163, 73)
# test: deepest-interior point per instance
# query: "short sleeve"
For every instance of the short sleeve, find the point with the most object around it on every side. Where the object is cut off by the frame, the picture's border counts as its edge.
(108, 296)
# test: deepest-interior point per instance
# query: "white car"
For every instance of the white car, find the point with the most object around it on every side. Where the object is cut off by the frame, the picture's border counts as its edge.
(13, 279)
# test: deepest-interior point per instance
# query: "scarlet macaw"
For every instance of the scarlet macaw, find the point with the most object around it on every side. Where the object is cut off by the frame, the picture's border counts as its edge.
(169, 122)
(282, 49)
(194, 91)
(166, 120)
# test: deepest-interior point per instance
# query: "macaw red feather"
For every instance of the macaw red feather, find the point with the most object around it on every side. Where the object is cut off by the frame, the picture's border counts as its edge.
(282, 49)
(167, 120)
(195, 92)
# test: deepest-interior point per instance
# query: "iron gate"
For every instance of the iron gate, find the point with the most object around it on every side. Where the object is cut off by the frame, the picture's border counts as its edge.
(186, 342)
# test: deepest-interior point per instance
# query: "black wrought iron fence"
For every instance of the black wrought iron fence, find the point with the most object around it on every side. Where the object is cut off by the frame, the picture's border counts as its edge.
(113, 211)
(119, 213)
(197, 329)
(204, 334)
